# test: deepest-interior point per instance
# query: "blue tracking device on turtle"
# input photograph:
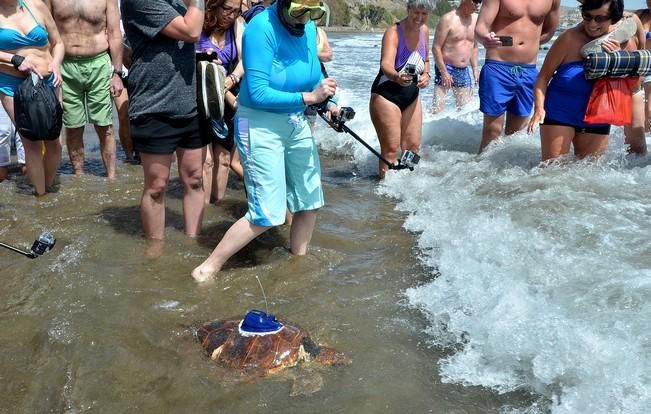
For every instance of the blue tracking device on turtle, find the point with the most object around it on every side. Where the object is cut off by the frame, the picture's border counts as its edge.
(258, 322)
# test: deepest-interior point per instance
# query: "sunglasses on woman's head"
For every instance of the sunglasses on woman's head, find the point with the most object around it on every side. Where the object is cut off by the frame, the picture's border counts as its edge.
(297, 10)
(598, 19)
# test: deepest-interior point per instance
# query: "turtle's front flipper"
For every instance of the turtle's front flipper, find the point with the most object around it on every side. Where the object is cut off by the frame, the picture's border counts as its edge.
(306, 382)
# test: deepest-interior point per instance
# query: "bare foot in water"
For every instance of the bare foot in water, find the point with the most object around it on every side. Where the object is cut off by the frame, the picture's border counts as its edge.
(204, 272)
(154, 248)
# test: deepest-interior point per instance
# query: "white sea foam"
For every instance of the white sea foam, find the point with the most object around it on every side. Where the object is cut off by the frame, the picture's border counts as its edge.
(545, 272)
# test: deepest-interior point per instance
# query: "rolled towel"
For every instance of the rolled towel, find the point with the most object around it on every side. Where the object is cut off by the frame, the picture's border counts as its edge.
(618, 64)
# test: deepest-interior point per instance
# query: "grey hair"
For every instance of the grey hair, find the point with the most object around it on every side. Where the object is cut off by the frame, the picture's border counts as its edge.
(424, 4)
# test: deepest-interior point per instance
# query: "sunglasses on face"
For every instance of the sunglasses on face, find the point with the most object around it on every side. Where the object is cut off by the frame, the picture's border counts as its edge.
(229, 11)
(476, 1)
(297, 10)
(598, 19)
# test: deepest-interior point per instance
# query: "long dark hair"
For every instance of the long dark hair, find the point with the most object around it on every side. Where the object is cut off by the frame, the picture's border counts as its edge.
(211, 19)
(615, 9)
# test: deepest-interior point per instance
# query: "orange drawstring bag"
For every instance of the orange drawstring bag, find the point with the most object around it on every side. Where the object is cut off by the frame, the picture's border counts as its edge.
(611, 101)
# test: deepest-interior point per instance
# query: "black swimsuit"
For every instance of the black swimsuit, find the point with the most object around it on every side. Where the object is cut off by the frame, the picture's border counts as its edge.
(402, 96)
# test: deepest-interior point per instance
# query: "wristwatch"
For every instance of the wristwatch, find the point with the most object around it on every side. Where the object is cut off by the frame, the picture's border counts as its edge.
(122, 73)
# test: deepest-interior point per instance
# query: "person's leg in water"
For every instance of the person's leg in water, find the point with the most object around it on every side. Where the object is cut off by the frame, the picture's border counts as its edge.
(301, 230)
(515, 123)
(36, 167)
(411, 128)
(75, 145)
(555, 141)
(124, 128)
(20, 152)
(462, 96)
(387, 120)
(438, 101)
(51, 161)
(590, 145)
(156, 169)
(238, 235)
(634, 132)
(220, 172)
(492, 129)
(236, 165)
(108, 148)
(208, 166)
(647, 104)
(190, 165)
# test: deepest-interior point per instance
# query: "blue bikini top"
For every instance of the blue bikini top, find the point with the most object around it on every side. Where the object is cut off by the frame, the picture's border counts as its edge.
(11, 39)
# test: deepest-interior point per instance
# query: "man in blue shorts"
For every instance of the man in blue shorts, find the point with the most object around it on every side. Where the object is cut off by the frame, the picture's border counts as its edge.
(455, 53)
(512, 32)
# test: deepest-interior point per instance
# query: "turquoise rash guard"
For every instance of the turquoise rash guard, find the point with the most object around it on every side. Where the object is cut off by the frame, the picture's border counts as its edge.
(278, 67)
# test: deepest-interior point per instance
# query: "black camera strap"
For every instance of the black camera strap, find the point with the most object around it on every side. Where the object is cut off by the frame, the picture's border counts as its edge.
(340, 126)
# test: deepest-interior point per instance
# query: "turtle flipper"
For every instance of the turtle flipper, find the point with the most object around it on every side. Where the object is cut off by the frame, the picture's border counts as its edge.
(306, 382)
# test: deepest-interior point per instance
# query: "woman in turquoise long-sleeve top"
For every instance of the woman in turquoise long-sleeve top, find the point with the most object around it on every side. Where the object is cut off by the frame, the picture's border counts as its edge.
(279, 155)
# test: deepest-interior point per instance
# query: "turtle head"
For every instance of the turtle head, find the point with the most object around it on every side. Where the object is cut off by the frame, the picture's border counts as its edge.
(324, 355)
(329, 356)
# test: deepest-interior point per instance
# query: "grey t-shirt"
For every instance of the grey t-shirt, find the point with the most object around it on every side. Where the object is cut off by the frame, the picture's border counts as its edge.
(162, 75)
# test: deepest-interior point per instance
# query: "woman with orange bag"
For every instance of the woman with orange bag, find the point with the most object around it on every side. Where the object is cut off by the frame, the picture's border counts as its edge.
(561, 91)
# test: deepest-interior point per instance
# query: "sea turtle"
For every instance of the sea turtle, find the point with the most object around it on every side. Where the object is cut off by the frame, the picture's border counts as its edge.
(258, 345)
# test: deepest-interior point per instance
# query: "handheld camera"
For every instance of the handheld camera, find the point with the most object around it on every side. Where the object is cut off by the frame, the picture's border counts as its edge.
(410, 69)
(43, 244)
(346, 113)
(409, 159)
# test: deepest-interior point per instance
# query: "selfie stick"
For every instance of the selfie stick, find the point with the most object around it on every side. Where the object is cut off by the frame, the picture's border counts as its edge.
(17, 250)
(44, 243)
(341, 127)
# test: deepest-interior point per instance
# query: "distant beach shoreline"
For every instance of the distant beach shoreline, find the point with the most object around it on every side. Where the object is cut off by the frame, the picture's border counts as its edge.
(348, 29)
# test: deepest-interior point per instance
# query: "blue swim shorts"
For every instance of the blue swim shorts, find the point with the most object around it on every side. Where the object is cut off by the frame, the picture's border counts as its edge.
(281, 165)
(461, 77)
(506, 87)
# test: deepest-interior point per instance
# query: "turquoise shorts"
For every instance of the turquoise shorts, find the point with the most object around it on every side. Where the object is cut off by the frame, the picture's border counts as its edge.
(281, 165)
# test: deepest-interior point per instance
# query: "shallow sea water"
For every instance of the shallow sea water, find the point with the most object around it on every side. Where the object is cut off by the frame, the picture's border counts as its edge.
(475, 284)
(97, 326)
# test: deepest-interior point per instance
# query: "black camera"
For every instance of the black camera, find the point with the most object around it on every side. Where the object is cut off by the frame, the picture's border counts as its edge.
(44, 243)
(409, 159)
(345, 114)
(410, 69)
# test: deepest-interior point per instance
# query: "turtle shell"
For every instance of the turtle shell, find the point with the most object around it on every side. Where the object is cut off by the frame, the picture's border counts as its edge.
(262, 354)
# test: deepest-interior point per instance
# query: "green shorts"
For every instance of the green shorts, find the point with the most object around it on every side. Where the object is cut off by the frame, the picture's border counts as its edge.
(281, 165)
(87, 91)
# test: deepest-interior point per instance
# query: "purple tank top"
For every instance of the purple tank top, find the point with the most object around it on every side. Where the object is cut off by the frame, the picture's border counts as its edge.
(227, 54)
(403, 52)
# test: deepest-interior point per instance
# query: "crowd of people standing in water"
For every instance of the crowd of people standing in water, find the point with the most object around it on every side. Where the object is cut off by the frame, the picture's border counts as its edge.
(216, 85)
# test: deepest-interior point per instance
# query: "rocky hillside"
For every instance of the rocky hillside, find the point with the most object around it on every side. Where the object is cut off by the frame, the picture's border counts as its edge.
(379, 14)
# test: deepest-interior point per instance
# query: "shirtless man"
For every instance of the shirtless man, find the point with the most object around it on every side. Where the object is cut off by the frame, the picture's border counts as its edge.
(90, 31)
(454, 49)
(507, 78)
